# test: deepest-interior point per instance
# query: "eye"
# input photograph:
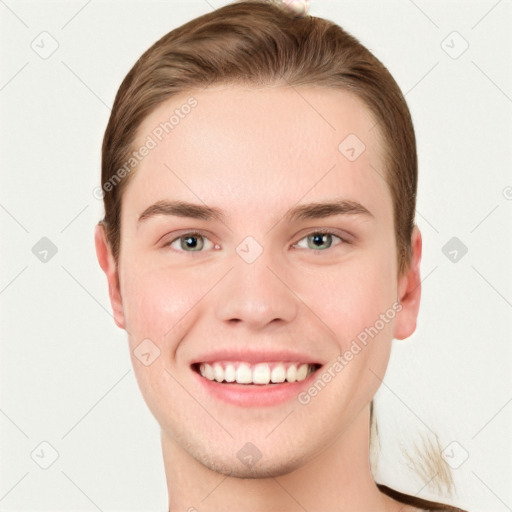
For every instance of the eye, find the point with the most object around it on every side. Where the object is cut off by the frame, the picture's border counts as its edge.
(196, 242)
(319, 240)
(189, 242)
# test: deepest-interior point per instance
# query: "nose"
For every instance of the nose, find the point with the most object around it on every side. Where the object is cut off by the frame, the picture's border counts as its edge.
(256, 294)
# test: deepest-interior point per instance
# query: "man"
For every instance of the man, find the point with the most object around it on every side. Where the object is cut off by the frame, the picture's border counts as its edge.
(254, 229)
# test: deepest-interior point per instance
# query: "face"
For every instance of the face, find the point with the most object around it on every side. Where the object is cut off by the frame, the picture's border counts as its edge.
(257, 272)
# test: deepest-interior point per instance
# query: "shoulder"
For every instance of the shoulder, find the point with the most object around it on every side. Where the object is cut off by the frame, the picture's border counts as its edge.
(418, 503)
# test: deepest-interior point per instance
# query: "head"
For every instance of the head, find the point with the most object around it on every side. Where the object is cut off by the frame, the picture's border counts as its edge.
(276, 129)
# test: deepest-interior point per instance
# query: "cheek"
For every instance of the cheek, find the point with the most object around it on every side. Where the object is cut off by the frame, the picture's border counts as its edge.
(351, 296)
(155, 302)
(158, 309)
(356, 300)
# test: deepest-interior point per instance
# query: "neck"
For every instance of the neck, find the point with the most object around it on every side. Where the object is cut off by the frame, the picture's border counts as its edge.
(341, 472)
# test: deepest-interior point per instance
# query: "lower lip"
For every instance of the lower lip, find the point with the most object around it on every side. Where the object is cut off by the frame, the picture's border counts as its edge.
(255, 395)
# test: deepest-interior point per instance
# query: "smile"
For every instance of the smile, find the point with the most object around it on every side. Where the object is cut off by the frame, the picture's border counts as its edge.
(241, 372)
(254, 378)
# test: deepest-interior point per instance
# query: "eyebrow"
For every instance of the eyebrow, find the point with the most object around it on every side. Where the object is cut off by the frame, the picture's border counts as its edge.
(181, 209)
(315, 210)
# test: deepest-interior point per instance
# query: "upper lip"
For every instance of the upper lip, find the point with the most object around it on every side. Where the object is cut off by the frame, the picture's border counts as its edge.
(256, 356)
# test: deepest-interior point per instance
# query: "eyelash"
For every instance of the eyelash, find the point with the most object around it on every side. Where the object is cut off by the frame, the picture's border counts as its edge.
(314, 232)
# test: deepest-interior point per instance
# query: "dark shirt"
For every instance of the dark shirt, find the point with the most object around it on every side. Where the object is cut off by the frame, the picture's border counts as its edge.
(429, 506)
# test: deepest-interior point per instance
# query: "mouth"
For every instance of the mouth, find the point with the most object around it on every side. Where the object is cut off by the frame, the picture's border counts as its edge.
(249, 385)
(259, 374)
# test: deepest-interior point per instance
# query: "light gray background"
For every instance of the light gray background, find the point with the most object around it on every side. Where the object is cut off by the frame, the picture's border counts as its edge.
(66, 377)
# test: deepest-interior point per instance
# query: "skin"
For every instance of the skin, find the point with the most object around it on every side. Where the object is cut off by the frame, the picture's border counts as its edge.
(255, 153)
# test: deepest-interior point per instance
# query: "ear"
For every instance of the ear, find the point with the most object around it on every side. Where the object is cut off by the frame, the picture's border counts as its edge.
(108, 264)
(409, 291)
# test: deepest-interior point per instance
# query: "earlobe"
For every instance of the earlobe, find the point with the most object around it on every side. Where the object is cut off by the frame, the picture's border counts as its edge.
(108, 265)
(409, 291)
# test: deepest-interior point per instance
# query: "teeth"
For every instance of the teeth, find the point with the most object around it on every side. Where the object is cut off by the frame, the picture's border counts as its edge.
(218, 372)
(243, 374)
(291, 374)
(230, 373)
(302, 372)
(261, 373)
(208, 372)
(278, 373)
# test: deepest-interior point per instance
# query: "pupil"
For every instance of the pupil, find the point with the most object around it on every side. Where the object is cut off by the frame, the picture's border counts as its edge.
(319, 239)
(191, 242)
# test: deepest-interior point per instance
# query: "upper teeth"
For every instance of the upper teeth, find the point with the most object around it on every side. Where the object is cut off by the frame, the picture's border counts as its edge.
(261, 373)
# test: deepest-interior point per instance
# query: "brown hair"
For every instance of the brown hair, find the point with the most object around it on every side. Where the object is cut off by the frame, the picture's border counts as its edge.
(256, 42)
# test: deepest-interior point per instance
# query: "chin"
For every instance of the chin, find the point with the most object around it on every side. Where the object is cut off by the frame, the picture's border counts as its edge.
(233, 467)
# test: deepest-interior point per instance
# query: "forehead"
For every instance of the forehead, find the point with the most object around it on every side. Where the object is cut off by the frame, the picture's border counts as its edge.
(254, 146)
